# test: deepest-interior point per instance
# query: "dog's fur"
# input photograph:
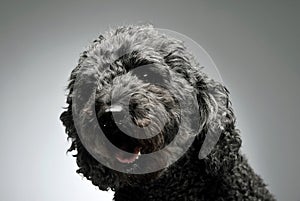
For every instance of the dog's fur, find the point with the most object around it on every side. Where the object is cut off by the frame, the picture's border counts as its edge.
(222, 175)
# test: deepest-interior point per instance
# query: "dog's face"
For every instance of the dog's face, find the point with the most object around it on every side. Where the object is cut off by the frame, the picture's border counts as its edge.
(135, 105)
(138, 117)
(131, 122)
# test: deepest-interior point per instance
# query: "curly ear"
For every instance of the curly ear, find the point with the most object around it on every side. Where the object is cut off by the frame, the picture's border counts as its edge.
(89, 167)
(222, 141)
(219, 139)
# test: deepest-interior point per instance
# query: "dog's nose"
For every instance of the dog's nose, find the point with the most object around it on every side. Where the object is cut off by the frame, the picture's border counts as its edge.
(117, 117)
(114, 108)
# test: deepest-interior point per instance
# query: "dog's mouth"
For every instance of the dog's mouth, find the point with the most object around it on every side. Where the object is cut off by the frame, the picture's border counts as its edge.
(124, 157)
(129, 147)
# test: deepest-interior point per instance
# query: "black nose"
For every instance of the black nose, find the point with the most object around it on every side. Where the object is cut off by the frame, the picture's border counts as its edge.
(110, 128)
(107, 122)
(114, 108)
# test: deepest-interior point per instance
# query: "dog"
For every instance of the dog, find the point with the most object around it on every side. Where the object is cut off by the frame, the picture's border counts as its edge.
(140, 110)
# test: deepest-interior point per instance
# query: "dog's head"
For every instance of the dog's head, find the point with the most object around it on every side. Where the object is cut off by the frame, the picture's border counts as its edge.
(136, 92)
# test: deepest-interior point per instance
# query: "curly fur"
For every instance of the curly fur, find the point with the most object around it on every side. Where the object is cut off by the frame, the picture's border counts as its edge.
(223, 175)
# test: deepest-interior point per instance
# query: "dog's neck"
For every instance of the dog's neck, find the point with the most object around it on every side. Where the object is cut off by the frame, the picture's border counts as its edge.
(191, 177)
(177, 178)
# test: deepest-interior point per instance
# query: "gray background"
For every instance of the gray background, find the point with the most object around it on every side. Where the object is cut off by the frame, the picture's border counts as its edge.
(255, 45)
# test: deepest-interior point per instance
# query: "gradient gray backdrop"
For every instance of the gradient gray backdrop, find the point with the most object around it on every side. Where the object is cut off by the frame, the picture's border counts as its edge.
(255, 45)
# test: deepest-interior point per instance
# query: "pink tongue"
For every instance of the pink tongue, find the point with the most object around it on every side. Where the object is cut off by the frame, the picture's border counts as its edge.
(126, 160)
(127, 157)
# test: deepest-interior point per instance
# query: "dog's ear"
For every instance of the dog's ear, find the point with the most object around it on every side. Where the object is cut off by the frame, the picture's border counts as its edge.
(217, 117)
(221, 138)
(89, 167)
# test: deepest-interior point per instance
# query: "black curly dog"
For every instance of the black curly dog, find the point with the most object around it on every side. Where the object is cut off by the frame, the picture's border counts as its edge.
(107, 67)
